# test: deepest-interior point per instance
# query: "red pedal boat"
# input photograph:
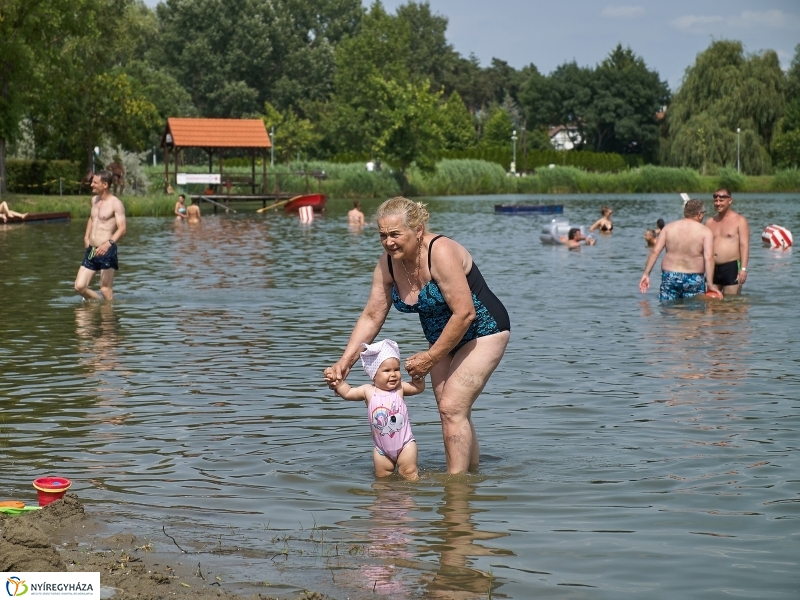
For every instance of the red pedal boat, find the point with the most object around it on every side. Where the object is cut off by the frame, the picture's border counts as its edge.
(317, 201)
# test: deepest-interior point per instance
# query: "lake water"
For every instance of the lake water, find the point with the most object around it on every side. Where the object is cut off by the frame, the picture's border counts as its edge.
(630, 449)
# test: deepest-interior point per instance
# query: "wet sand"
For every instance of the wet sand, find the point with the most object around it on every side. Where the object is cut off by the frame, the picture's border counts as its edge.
(61, 537)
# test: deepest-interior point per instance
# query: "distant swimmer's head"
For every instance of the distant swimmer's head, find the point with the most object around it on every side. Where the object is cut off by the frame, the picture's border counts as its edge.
(357, 204)
(660, 223)
(573, 233)
(606, 211)
(650, 237)
(693, 208)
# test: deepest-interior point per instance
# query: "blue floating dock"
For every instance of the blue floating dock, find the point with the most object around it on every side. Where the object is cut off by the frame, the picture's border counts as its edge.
(542, 209)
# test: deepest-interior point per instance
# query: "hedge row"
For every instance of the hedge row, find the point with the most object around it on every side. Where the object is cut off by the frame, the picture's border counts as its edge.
(42, 176)
(600, 162)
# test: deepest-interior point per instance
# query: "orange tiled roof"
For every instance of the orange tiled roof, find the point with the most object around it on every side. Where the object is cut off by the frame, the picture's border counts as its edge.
(217, 133)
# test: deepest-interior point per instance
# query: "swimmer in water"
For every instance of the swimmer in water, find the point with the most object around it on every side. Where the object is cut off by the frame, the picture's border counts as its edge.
(193, 212)
(180, 208)
(604, 222)
(355, 217)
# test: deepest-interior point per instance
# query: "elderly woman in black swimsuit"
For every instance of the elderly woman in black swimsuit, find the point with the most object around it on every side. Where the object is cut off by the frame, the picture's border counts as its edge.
(465, 324)
(604, 222)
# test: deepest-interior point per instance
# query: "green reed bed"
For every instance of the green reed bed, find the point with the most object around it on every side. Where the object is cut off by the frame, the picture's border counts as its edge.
(80, 206)
(786, 181)
(453, 177)
(462, 177)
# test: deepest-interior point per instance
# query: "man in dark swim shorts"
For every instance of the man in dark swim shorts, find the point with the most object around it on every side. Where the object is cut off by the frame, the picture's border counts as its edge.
(731, 244)
(105, 227)
(97, 262)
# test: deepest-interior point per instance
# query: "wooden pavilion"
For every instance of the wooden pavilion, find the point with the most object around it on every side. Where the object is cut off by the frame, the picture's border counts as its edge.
(217, 136)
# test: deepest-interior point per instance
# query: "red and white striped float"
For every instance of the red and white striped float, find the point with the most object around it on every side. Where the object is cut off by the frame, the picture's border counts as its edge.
(777, 236)
(306, 214)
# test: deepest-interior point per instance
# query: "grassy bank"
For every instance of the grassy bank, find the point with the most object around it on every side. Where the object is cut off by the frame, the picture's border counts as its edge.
(79, 206)
(452, 177)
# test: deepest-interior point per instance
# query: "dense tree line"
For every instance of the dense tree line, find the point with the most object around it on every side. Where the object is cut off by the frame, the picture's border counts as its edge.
(336, 79)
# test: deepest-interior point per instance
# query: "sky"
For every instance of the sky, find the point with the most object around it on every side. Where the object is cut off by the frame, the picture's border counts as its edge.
(667, 34)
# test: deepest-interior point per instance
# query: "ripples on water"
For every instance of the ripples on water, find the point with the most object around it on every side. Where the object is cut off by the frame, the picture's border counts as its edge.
(629, 448)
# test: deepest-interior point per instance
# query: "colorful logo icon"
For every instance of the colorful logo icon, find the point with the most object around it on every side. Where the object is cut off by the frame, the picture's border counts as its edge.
(16, 587)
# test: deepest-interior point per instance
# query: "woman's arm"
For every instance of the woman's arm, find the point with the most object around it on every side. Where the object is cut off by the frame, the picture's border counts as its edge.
(447, 269)
(596, 224)
(368, 325)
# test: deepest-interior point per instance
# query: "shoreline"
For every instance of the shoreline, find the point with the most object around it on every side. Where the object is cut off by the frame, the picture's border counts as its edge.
(61, 537)
(163, 206)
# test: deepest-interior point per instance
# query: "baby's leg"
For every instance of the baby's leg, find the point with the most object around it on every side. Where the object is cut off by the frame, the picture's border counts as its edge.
(407, 462)
(383, 464)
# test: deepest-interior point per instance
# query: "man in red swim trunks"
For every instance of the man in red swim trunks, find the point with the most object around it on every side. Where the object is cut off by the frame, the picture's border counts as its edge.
(731, 244)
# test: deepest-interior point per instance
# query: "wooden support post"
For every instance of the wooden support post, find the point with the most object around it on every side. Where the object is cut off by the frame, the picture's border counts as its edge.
(222, 171)
(176, 167)
(166, 167)
(264, 172)
(253, 170)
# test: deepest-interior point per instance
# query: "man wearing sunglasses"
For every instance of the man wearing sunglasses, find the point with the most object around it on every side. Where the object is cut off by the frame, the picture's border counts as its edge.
(731, 244)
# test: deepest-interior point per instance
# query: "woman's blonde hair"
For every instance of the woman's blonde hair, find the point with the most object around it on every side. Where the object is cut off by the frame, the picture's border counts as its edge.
(413, 213)
(604, 209)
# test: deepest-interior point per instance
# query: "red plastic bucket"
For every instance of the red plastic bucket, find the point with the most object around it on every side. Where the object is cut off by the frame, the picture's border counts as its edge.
(51, 489)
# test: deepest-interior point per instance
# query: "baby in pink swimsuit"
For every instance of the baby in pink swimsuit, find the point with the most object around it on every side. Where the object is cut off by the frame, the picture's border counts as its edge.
(388, 415)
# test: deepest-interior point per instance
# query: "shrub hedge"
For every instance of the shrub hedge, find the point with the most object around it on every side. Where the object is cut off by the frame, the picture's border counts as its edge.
(591, 161)
(42, 177)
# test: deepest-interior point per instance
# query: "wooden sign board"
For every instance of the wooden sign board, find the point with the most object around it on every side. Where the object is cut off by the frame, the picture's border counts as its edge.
(184, 178)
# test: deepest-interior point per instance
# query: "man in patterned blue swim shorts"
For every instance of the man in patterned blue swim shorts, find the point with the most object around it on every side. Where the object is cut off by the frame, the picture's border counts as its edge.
(688, 264)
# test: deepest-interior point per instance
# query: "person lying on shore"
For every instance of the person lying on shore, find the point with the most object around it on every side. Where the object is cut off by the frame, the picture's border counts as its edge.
(394, 445)
(6, 212)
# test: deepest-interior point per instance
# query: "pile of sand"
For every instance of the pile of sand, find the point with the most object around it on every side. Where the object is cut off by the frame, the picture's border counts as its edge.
(51, 539)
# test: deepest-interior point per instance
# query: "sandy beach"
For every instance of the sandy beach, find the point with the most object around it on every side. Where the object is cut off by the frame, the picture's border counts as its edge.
(62, 537)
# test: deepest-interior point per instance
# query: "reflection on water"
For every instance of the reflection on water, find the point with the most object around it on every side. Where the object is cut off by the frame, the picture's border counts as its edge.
(389, 537)
(458, 546)
(623, 440)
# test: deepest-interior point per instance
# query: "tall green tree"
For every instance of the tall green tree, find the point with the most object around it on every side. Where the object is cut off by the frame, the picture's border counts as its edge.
(786, 145)
(613, 106)
(626, 96)
(293, 134)
(561, 98)
(429, 55)
(31, 35)
(88, 99)
(458, 130)
(498, 128)
(411, 118)
(377, 53)
(233, 55)
(725, 90)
